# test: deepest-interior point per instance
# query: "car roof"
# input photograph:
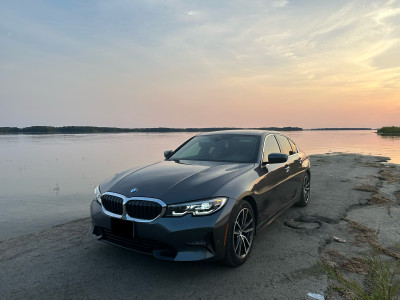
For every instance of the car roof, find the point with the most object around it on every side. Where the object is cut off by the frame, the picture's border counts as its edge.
(242, 131)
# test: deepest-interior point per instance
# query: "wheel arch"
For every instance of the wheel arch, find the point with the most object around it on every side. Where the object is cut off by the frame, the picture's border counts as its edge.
(253, 204)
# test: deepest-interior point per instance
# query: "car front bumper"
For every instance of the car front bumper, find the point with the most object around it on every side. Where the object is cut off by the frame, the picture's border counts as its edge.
(186, 238)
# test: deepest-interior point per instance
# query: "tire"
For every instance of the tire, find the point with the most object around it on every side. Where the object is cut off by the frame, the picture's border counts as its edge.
(240, 234)
(305, 191)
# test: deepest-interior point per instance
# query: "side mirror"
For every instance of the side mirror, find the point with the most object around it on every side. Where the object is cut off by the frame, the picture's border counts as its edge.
(277, 158)
(168, 153)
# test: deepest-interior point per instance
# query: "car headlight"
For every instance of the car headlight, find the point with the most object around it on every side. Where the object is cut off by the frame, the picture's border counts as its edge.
(98, 194)
(198, 208)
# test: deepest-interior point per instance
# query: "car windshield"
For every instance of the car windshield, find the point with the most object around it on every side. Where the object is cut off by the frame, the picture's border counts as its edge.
(223, 148)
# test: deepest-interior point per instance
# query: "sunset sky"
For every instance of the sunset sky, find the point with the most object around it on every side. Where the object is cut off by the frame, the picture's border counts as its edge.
(200, 63)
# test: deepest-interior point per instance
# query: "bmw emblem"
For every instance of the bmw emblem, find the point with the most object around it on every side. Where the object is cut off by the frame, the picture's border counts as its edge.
(134, 190)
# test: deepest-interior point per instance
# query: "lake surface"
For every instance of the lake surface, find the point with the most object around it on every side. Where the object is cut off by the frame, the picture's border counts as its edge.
(49, 179)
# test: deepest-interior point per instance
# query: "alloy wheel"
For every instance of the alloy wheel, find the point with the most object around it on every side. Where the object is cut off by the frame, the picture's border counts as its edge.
(243, 232)
(306, 188)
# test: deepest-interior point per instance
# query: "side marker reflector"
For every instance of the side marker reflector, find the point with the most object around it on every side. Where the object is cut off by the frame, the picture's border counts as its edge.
(226, 233)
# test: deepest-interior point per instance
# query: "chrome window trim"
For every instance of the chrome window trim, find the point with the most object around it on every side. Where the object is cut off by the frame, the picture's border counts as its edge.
(125, 215)
(262, 151)
(274, 135)
(297, 148)
(289, 144)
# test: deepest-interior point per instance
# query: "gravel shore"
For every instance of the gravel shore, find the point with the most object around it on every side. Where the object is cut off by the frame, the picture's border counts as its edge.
(63, 262)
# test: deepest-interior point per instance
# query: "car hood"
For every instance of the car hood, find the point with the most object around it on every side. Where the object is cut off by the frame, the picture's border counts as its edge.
(175, 182)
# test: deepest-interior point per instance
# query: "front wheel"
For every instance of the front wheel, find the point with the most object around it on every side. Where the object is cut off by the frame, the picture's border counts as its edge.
(240, 234)
(305, 191)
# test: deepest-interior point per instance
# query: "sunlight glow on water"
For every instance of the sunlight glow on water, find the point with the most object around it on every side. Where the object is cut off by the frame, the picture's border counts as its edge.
(49, 179)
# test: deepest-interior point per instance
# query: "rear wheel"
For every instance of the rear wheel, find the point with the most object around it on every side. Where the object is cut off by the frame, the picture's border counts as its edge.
(240, 234)
(305, 191)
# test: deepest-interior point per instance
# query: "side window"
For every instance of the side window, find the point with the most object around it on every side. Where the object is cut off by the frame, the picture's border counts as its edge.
(294, 148)
(270, 146)
(284, 143)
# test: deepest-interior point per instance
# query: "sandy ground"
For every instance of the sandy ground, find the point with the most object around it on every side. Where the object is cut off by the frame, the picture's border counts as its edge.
(63, 262)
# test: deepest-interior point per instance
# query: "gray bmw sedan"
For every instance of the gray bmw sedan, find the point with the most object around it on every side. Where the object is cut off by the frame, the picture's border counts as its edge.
(206, 200)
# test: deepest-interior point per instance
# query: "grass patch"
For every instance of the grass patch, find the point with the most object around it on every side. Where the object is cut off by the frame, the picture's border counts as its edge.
(381, 280)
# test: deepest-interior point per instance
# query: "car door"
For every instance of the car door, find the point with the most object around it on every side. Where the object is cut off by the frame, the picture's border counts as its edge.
(290, 168)
(273, 181)
(297, 167)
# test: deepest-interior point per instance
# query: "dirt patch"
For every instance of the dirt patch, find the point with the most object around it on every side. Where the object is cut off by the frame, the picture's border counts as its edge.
(353, 264)
(378, 199)
(367, 235)
(388, 175)
(363, 234)
(366, 188)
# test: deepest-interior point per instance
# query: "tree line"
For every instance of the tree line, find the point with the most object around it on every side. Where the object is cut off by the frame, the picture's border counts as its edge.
(389, 130)
(94, 129)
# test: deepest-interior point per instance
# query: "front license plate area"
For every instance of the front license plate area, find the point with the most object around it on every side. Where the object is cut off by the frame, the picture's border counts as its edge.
(123, 228)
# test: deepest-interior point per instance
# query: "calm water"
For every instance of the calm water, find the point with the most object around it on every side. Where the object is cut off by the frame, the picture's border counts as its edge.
(49, 179)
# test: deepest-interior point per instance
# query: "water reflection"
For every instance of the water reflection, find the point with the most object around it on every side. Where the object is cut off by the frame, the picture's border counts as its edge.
(49, 179)
(352, 141)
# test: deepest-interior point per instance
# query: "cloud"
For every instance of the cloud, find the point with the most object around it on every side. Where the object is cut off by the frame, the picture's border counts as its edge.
(191, 12)
(280, 3)
(196, 54)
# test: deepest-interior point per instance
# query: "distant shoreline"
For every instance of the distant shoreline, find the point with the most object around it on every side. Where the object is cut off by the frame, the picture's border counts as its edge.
(94, 129)
(346, 128)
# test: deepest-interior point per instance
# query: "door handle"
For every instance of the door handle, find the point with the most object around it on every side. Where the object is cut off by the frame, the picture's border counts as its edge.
(287, 168)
